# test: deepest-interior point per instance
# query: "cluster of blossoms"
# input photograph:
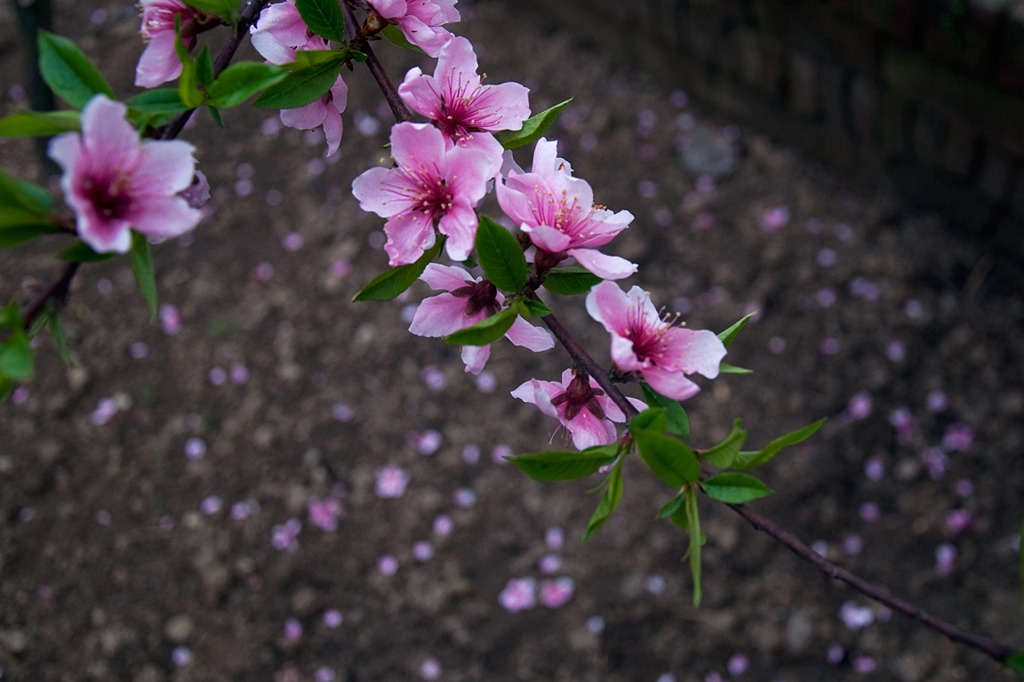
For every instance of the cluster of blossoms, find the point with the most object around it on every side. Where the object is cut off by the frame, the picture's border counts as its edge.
(441, 170)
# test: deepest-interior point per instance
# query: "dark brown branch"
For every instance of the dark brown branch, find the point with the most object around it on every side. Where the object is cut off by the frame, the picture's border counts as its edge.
(246, 18)
(994, 650)
(359, 42)
(56, 293)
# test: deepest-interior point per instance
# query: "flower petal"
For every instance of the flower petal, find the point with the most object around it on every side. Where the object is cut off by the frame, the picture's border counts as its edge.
(606, 267)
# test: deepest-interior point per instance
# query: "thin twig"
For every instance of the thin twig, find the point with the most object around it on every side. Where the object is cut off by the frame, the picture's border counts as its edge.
(56, 292)
(993, 649)
(359, 42)
(246, 18)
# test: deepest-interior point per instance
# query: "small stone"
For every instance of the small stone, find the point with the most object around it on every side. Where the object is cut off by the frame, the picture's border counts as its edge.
(179, 628)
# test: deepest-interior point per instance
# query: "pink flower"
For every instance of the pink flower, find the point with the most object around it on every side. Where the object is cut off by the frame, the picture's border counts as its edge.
(642, 342)
(114, 182)
(159, 63)
(519, 594)
(558, 212)
(324, 513)
(556, 593)
(431, 183)
(580, 405)
(458, 104)
(277, 36)
(467, 301)
(421, 20)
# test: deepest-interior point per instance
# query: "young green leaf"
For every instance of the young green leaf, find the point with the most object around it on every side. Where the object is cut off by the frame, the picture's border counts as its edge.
(500, 256)
(394, 35)
(80, 252)
(29, 199)
(485, 331)
(565, 466)
(609, 501)
(697, 540)
(390, 283)
(723, 454)
(651, 419)
(57, 332)
(1015, 662)
(670, 460)
(570, 280)
(40, 123)
(222, 8)
(157, 101)
(734, 488)
(16, 357)
(729, 335)
(677, 421)
(240, 81)
(533, 128)
(68, 72)
(142, 266)
(12, 235)
(752, 459)
(726, 368)
(323, 17)
(671, 507)
(204, 66)
(300, 87)
(188, 81)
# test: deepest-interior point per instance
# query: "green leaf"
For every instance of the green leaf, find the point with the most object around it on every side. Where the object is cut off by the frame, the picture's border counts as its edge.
(725, 368)
(729, 335)
(533, 128)
(57, 332)
(609, 501)
(16, 357)
(1015, 662)
(565, 466)
(300, 87)
(158, 101)
(390, 283)
(68, 72)
(651, 419)
(80, 252)
(750, 460)
(500, 256)
(394, 35)
(697, 540)
(734, 488)
(19, 194)
(188, 81)
(677, 421)
(222, 8)
(204, 66)
(536, 308)
(323, 17)
(6, 386)
(723, 454)
(241, 81)
(671, 507)
(40, 123)
(12, 235)
(670, 460)
(142, 266)
(487, 330)
(570, 280)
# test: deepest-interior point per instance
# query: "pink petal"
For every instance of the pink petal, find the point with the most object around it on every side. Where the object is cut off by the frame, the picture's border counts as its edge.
(368, 189)
(111, 143)
(525, 335)
(409, 235)
(439, 316)
(588, 430)
(445, 277)
(610, 306)
(164, 168)
(669, 383)
(475, 357)
(163, 216)
(306, 117)
(159, 63)
(698, 351)
(606, 267)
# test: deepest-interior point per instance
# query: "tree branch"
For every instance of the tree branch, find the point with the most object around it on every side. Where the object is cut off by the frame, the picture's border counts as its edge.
(359, 42)
(990, 648)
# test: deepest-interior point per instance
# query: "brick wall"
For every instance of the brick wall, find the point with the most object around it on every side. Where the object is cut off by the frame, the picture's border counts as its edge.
(928, 94)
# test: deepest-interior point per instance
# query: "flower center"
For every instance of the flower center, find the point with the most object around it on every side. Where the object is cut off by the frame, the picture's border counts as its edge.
(112, 198)
(580, 395)
(479, 296)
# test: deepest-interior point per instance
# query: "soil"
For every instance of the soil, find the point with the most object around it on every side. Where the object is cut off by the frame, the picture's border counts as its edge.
(124, 555)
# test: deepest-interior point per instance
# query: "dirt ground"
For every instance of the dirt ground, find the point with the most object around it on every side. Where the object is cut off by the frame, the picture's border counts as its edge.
(156, 497)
